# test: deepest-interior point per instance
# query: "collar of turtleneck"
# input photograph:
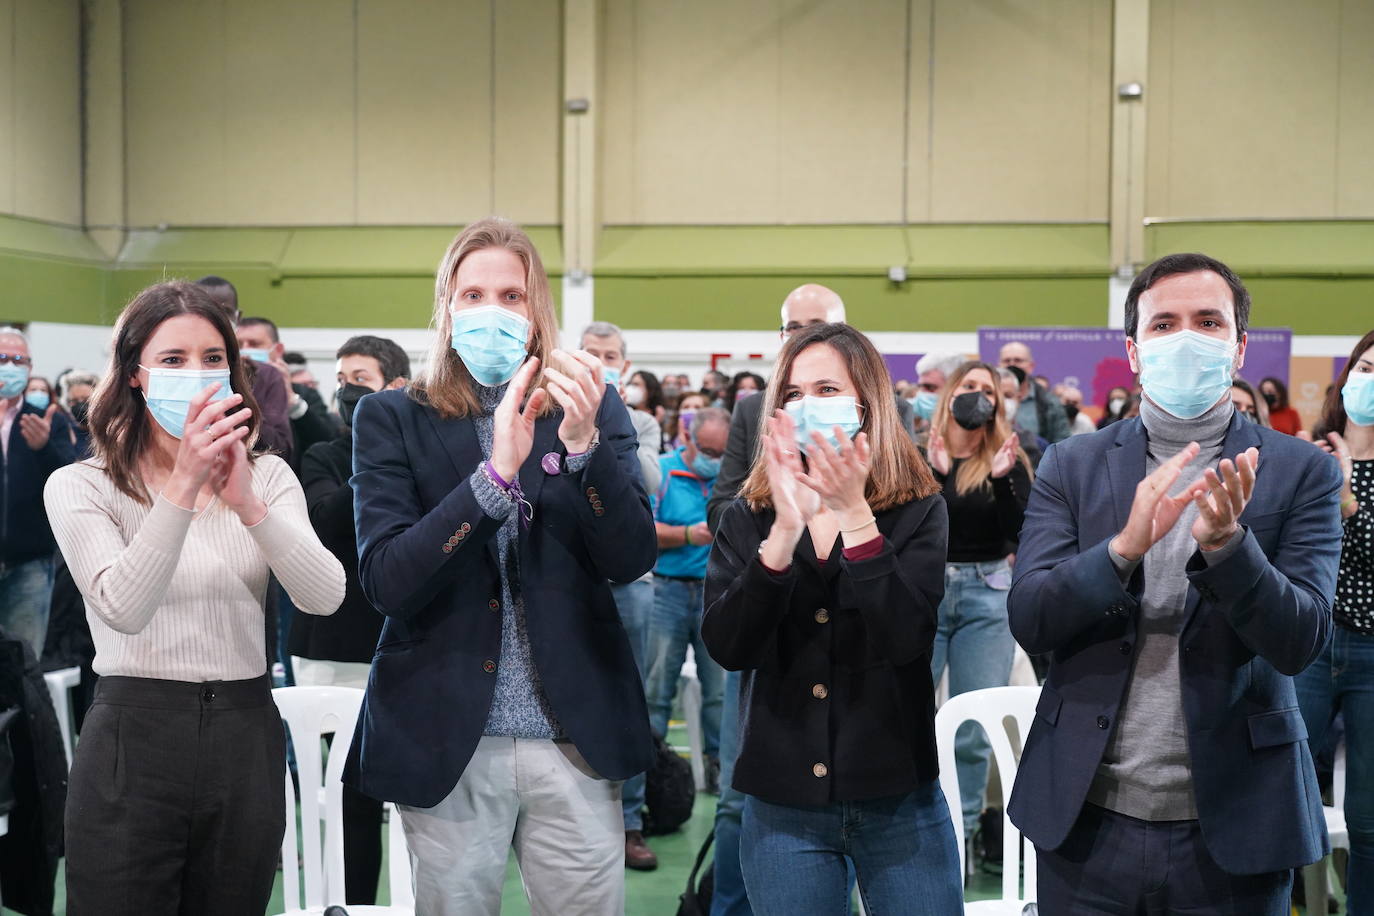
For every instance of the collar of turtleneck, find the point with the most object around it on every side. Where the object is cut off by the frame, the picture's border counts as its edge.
(1208, 430)
(489, 396)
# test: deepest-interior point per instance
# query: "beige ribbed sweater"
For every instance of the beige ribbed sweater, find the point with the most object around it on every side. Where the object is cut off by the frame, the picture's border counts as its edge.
(178, 595)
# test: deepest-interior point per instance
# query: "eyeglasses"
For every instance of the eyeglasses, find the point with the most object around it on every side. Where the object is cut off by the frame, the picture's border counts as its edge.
(710, 452)
(7, 358)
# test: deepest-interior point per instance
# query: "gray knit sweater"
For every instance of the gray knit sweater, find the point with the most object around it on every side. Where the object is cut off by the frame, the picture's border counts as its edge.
(519, 707)
(1145, 771)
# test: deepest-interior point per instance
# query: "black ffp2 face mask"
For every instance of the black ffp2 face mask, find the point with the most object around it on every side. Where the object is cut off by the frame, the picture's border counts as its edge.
(972, 410)
(348, 397)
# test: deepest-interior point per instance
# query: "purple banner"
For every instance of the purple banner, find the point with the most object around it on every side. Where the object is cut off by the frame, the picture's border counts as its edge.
(902, 366)
(1094, 359)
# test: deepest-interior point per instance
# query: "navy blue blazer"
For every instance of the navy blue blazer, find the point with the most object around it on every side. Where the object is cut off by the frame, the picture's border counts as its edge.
(428, 561)
(1252, 622)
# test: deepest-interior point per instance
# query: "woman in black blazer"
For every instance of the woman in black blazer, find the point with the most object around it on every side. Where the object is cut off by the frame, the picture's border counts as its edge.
(504, 704)
(822, 588)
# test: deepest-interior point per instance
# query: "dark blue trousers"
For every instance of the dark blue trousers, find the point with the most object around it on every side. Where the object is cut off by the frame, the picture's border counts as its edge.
(1118, 865)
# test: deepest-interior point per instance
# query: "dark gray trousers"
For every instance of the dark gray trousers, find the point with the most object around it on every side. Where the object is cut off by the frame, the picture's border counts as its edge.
(176, 802)
(1122, 866)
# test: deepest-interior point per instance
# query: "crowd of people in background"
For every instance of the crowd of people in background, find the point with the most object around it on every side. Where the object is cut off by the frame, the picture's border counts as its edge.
(582, 527)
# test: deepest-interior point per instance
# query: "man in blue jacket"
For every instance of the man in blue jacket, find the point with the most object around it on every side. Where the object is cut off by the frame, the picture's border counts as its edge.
(35, 443)
(1180, 568)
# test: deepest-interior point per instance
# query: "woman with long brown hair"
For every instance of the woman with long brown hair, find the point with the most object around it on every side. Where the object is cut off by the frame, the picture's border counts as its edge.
(1342, 677)
(822, 588)
(175, 802)
(494, 498)
(986, 477)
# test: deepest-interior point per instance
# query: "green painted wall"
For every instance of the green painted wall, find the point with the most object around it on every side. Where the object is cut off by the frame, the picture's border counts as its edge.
(1316, 277)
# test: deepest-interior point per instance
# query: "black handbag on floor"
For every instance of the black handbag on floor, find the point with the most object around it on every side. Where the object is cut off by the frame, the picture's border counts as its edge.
(669, 791)
(696, 900)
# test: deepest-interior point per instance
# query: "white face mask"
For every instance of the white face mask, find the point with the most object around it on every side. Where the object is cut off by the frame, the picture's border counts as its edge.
(1115, 405)
(634, 395)
(1009, 405)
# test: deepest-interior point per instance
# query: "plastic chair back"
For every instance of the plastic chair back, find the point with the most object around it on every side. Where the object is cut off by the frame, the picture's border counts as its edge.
(310, 713)
(995, 709)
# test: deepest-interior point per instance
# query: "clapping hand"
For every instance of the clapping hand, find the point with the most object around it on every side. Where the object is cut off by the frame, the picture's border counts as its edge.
(838, 476)
(1154, 512)
(793, 503)
(938, 454)
(1005, 459)
(1221, 497)
(512, 426)
(577, 386)
(36, 430)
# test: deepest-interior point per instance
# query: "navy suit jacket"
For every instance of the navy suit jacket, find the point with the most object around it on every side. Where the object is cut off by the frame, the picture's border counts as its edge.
(428, 561)
(1252, 622)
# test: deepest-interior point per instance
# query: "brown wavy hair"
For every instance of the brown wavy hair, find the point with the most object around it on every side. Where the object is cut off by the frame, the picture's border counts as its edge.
(1334, 418)
(119, 421)
(975, 473)
(897, 473)
(445, 383)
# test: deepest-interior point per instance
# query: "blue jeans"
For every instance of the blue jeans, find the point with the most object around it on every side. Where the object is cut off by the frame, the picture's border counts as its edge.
(729, 897)
(635, 602)
(676, 623)
(25, 595)
(974, 638)
(1343, 678)
(796, 860)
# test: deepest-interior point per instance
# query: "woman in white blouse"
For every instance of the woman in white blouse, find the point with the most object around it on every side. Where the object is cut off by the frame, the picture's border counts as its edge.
(175, 802)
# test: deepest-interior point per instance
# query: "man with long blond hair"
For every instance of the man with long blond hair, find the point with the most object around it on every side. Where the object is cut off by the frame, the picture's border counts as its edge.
(495, 497)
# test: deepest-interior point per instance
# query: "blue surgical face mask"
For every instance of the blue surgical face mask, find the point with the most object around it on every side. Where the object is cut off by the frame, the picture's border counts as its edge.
(491, 341)
(258, 356)
(610, 376)
(38, 399)
(1358, 396)
(705, 466)
(924, 404)
(822, 415)
(1185, 373)
(170, 391)
(13, 380)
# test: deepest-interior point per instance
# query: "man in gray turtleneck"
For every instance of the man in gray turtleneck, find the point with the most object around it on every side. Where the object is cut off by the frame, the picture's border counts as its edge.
(1179, 587)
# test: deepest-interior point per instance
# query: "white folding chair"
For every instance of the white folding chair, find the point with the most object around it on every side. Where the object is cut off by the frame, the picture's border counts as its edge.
(1314, 875)
(60, 683)
(691, 711)
(993, 709)
(310, 713)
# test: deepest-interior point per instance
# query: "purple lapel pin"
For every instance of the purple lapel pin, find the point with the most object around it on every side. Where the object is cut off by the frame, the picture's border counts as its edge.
(551, 464)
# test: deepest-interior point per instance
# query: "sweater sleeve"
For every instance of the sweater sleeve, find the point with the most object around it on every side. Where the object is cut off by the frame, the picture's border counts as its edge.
(311, 575)
(122, 584)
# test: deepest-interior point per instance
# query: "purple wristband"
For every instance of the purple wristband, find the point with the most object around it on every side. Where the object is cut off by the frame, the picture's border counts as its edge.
(497, 478)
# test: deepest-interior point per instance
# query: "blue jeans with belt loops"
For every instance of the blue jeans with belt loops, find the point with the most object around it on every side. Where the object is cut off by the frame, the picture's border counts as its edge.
(974, 639)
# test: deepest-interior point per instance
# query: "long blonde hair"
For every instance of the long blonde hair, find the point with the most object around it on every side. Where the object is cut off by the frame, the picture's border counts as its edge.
(897, 473)
(976, 471)
(445, 383)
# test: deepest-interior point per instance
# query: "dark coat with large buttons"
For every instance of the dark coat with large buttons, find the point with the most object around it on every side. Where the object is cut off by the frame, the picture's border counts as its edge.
(836, 702)
(428, 561)
(1251, 622)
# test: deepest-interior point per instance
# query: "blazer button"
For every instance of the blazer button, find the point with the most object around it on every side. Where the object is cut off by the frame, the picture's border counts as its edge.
(453, 541)
(820, 771)
(488, 666)
(598, 512)
(591, 491)
(1117, 610)
(1103, 722)
(465, 527)
(822, 616)
(1125, 648)
(447, 548)
(819, 692)
(494, 605)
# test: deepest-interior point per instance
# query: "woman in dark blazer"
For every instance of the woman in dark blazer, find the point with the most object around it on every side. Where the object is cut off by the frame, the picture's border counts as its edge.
(504, 705)
(822, 588)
